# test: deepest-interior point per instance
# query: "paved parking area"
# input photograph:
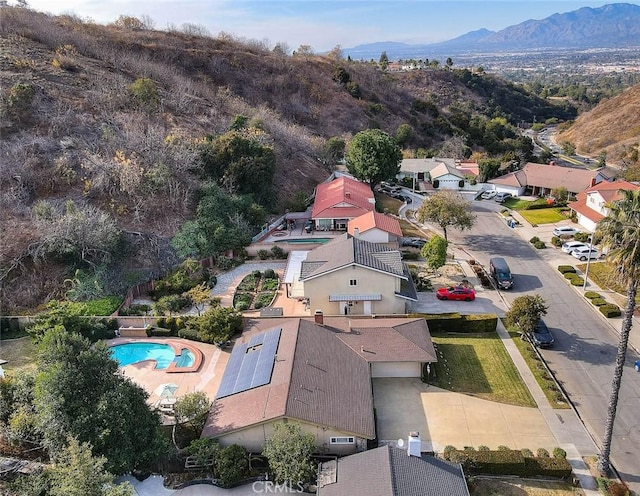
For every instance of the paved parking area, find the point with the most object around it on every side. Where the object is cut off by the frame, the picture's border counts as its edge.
(443, 417)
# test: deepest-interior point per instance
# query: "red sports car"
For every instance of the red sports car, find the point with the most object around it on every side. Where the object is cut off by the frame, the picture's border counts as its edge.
(456, 293)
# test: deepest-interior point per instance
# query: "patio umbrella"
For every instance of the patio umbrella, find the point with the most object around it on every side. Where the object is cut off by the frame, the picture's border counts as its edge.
(166, 390)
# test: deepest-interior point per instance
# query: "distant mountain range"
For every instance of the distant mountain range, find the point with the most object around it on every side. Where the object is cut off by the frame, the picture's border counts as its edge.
(610, 26)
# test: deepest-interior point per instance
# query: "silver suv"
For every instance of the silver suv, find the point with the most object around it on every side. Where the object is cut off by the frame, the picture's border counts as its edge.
(502, 197)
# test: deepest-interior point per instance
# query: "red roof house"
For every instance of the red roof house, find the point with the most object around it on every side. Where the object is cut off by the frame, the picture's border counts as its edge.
(375, 227)
(591, 204)
(339, 201)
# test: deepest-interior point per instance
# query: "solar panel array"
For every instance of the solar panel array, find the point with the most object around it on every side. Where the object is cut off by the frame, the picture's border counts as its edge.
(250, 364)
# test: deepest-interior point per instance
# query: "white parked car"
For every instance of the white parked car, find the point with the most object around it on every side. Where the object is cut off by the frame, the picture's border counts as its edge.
(569, 246)
(487, 195)
(565, 231)
(585, 253)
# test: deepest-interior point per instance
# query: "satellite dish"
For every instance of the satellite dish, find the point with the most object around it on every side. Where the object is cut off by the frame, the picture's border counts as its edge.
(400, 443)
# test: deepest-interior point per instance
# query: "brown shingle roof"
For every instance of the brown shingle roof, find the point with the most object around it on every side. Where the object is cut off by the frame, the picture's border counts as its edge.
(549, 176)
(316, 378)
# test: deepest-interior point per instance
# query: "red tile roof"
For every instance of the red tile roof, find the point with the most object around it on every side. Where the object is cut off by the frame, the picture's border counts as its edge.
(609, 191)
(373, 219)
(342, 198)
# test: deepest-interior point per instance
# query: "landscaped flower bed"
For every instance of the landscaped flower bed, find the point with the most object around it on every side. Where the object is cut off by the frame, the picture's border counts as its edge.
(256, 290)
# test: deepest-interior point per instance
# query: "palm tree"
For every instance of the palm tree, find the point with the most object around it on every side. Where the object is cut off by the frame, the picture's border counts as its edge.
(620, 232)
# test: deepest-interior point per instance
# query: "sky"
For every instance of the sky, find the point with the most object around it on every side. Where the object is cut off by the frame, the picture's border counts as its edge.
(324, 24)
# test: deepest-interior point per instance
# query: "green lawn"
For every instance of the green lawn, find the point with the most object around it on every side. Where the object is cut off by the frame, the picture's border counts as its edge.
(20, 352)
(543, 215)
(603, 275)
(479, 365)
(516, 203)
(554, 396)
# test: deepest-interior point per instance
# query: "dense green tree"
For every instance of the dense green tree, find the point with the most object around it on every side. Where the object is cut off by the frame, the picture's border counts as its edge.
(241, 163)
(218, 324)
(69, 316)
(435, 252)
(223, 222)
(191, 410)
(620, 231)
(80, 393)
(404, 133)
(288, 452)
(76, 472)
(340, 75)
(384, 61)
(525, 312)
(231, 465)
(373, 156)
(333, 151)
(568, 148)
(446, 209)
(488, 169)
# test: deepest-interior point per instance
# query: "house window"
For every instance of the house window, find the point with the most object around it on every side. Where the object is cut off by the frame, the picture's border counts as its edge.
(342, 440)
(352, 282)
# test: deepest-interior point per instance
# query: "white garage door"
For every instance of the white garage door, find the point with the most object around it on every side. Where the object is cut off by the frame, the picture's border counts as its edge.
(396, 369)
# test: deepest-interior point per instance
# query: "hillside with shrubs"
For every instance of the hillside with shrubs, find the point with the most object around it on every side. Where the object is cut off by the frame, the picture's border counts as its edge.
(126, 149)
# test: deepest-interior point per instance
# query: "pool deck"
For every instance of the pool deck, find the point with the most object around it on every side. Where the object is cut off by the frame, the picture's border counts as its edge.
(206, 378)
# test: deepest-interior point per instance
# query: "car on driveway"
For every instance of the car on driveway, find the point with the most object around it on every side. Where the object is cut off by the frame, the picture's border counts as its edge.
(487, 195)
(459, 293)
(407, 199)
(585, 253)
(569, 246)
(414, 242)
(565, 231)
(502, 197)
(541, 335)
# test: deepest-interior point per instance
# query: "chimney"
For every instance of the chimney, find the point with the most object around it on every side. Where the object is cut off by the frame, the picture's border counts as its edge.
(319, 317)
(356, 232)
(414, 446)
(593, 182)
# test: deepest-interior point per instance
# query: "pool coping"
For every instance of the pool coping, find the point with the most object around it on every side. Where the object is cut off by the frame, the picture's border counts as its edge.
(177, 347)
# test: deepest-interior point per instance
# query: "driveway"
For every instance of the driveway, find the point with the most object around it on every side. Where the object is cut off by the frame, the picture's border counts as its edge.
(442, 418)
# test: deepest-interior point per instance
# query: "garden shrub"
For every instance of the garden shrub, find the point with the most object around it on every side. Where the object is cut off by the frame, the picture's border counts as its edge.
(577, 281)
(549, 467)
(448, 449)
(270, 274)
(581, 236)
(610, 310)
(556, 241)
(410, 255)
(570, 275)
(592, 295)
(526, 452)
(559, 452)
(539, 245)
(502, 447)
(599, 302)
(278, 253)
(270, 284)
(264, 299)
(101, 307)
(232, 465)
(454, 322)
(563, 269)
(263, 254)
(534, 240)
(537, 204)
(256, 274)
(482, 447)
(542, 453)
(189, 333)
(157, 331)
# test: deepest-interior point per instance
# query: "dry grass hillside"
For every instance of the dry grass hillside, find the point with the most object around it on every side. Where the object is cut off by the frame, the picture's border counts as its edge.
(80, 133)
(612, 126)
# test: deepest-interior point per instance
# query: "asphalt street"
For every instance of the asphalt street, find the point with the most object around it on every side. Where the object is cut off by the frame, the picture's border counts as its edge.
(583, 357)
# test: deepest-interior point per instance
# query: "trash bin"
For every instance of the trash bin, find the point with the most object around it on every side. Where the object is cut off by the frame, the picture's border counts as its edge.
(637, 366)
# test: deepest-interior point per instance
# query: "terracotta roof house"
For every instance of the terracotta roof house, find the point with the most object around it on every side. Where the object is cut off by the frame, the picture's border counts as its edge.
(340, 200)
(539, 180)
(591, 204)
(352, 276)
(376, 228)
(391, 471)
(304, 371)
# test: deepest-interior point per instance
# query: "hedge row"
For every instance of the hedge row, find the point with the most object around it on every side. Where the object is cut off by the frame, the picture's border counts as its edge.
(455, 322)
(509, 462)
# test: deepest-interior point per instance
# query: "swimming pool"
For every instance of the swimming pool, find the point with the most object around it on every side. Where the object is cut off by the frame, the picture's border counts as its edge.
(304, 240)
(163, 354)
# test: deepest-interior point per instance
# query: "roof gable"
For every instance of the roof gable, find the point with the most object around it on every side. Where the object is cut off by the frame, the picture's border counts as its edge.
(347, 250)
(342, 193)
(390, 471)
(376, 220)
